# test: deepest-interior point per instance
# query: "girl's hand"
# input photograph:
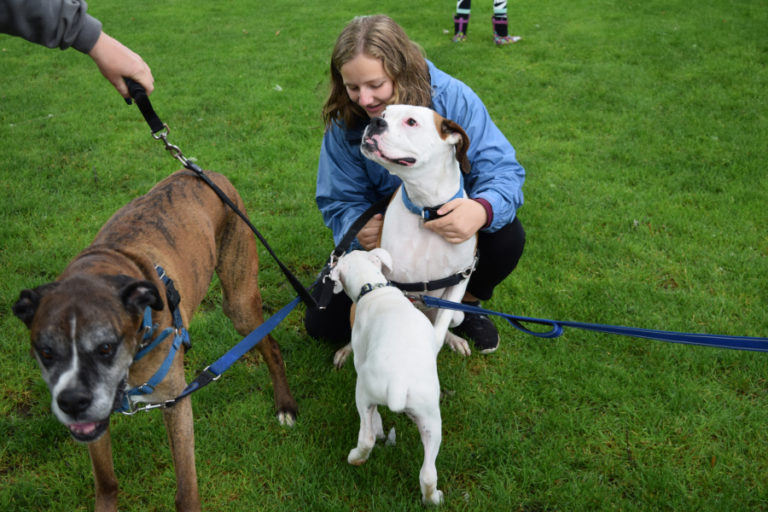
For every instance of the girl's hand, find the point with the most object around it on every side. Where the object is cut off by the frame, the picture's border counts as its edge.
(370, 234)
(462, 219)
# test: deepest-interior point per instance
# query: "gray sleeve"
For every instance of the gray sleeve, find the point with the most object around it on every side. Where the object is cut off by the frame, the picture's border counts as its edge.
(51, 23)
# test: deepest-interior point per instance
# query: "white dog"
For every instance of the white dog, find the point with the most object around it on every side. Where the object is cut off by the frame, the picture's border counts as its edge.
(428, 152)
(395, 352)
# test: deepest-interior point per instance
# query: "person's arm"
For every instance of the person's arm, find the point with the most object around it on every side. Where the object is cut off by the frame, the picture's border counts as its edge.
(52, 23)
(64, 24)
(116, 62)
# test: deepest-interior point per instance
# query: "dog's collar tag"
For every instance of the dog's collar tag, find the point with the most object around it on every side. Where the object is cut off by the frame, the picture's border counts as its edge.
(430, 212)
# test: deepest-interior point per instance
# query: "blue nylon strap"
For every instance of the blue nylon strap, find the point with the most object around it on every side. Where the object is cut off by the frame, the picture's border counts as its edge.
(160, 337)
(755, 344)
(149, 386)
(429, 213)
(250, 341)
(224, 362)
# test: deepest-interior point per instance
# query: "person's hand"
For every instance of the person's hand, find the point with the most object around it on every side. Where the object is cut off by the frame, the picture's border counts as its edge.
(462, 219)
(116, 61)
(369, 235)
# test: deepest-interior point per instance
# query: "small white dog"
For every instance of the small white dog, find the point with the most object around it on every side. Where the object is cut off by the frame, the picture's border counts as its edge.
(395, 352)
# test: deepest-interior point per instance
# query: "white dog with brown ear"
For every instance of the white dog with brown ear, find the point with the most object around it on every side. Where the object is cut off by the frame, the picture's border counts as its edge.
(395, 353)
(429, 153)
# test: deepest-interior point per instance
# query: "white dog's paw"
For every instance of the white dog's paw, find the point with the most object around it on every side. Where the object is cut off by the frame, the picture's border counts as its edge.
(432, 498)
(457, 319)
(457, 344)
(341, 355)
(391, 438)
(357, 456)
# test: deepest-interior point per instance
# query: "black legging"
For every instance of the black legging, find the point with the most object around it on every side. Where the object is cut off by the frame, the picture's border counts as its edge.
(498, 254)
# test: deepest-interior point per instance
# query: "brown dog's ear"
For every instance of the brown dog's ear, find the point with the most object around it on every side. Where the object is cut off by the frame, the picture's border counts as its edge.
(29, 300)
(137, 295)
(449, 128)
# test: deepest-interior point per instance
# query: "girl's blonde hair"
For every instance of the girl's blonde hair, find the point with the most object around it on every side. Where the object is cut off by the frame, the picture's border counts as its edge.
(403, 60)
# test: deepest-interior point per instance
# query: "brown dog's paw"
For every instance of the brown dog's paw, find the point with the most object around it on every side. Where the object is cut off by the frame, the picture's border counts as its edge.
(286, 418)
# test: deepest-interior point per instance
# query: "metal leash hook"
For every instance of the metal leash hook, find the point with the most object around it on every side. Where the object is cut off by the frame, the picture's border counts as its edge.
(173, 149)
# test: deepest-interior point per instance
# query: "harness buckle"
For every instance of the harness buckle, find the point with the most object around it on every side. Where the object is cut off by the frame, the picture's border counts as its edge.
(467, 272)
(215, 377)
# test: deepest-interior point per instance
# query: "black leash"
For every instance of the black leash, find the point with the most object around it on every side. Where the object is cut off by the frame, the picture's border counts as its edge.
(160, 132)
(323, 281)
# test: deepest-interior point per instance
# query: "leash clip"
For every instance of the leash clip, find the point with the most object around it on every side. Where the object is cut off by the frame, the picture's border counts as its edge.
(173, 149)
(135, 408)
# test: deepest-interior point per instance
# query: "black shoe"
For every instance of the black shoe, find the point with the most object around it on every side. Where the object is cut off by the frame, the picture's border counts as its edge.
(480, 329)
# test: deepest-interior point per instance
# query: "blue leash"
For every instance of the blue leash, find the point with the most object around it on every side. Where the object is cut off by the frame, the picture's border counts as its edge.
(709, 340)
(213, 372)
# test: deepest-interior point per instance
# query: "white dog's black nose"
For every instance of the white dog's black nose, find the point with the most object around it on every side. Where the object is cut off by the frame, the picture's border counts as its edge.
(377, 125)
(74, 401)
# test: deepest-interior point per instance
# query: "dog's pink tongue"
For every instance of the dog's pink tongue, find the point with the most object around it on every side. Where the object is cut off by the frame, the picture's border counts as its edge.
(82, 428)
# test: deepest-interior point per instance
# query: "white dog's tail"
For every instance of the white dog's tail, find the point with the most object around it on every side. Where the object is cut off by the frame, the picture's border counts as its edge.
(397, 396)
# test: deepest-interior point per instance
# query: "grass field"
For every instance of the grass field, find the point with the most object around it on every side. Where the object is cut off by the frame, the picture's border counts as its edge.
(643, 128)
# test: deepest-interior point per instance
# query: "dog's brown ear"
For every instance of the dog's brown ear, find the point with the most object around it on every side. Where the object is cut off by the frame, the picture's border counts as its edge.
(137, 295)
(29, 300)
(448, 127)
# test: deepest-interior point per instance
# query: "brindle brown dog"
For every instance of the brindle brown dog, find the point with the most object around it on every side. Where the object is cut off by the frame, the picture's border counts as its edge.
(85, 327)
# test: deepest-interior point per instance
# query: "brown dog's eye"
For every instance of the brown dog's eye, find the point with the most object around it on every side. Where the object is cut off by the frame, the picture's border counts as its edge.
(411, 122)
(46, 356)
(105, 349)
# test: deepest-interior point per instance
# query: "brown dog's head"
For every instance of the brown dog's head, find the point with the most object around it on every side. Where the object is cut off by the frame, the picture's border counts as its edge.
(84, 332)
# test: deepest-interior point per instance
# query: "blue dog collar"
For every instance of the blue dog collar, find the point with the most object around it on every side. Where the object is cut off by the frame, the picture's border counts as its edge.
(430, 212)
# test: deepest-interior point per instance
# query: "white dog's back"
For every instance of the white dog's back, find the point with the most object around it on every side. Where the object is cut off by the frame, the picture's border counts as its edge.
(395, 350)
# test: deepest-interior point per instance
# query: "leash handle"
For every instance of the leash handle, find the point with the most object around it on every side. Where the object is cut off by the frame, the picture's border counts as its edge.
(139, 95)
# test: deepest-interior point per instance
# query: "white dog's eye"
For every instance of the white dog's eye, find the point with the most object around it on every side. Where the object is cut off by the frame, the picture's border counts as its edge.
(411, 122)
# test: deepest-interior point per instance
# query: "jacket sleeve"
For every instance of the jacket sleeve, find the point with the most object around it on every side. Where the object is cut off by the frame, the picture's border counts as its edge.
(51, 23)
(496, 175)
(347, 182)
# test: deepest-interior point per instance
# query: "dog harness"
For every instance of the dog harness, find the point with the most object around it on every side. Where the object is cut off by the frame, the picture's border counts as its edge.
(180, 338)
(430, 213)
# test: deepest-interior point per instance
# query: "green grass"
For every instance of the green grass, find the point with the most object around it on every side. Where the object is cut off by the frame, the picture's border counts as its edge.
(642, 127)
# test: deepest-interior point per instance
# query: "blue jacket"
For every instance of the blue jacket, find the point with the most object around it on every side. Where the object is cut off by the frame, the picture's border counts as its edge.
(347, 182)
